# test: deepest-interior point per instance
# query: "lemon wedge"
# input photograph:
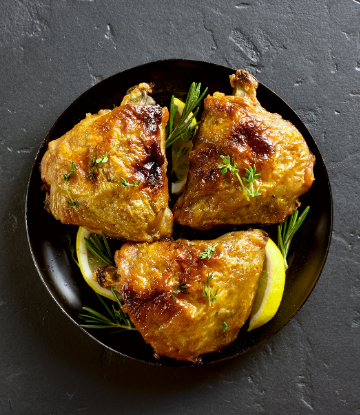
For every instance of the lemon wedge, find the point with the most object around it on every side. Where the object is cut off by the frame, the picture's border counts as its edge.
(271, 287)
(88, 262)
(180, 152)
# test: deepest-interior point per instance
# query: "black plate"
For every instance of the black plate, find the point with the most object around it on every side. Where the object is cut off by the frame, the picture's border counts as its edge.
(60, 274)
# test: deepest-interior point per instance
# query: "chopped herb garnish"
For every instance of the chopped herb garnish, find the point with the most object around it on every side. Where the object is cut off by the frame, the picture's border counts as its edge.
(286, 231)
(208, 252)
(92, 173)
(67, 177)
(125, 183)
(104, 158)
(207, 291)
(224, 326)
(180, 289)
(184, 129)
(249, 178)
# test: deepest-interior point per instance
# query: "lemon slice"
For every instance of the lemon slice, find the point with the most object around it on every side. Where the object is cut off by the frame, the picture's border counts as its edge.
(88, 262)
(271, 287)
(180, 152)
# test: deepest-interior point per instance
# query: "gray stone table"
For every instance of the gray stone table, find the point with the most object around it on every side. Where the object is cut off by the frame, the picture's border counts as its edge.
(308, 52)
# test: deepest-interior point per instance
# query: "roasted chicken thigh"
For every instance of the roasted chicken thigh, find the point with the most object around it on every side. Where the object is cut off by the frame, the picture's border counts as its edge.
(239, 128)
(109, 172)
(188, 298)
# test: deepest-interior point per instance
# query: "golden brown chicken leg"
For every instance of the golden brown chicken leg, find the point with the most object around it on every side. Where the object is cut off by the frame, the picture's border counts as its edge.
(240, 128)
(109, 172)
(188, 298)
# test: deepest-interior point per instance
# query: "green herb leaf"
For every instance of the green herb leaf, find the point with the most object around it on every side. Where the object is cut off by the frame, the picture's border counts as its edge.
(208, 292)
(92, 173)
(117, 318)
(125, 183)
(67, 177)
(180, 289)
(99, 247)
(286, 231)
(104, 158)
(249, 178)
(208, 252)
(184, 128)
(224, 326)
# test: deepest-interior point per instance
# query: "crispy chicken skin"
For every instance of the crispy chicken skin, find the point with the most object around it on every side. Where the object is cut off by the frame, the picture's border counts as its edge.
(190, 326)
(133, 136)
(239, 127)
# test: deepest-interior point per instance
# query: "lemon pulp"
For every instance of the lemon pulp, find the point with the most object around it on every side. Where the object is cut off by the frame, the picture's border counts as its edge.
(88, 262)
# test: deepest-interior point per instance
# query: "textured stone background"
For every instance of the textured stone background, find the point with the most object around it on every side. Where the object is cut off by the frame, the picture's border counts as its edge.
(306, 51)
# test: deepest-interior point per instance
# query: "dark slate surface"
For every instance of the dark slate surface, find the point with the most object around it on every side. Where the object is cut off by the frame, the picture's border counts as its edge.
(306, 51)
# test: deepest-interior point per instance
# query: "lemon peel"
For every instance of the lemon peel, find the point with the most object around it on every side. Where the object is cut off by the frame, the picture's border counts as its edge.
(270, 289)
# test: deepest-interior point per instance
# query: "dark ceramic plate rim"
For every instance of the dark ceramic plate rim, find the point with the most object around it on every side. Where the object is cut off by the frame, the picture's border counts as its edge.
(178, 63)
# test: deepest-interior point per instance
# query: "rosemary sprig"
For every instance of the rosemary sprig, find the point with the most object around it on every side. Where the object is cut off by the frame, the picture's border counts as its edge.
(184, 128)
(99, 247)
(95, 320)
(181, 151)
(286, 231)
(117, 318)
(180, 289)
(208, 252)
(67, 177)
(207, 291)
(249, 178)
(125, 183)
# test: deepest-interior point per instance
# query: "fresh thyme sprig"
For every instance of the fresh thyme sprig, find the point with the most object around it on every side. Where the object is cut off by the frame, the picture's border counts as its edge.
(66, 239)
(125, 183)
(184, 128)
(208, 292)
(286, 231)
(118, 319)
(99, 161)
(67, 177)
(180, 289)
(99, 247)
(208, 252)
(249, 178)
(103, 159)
